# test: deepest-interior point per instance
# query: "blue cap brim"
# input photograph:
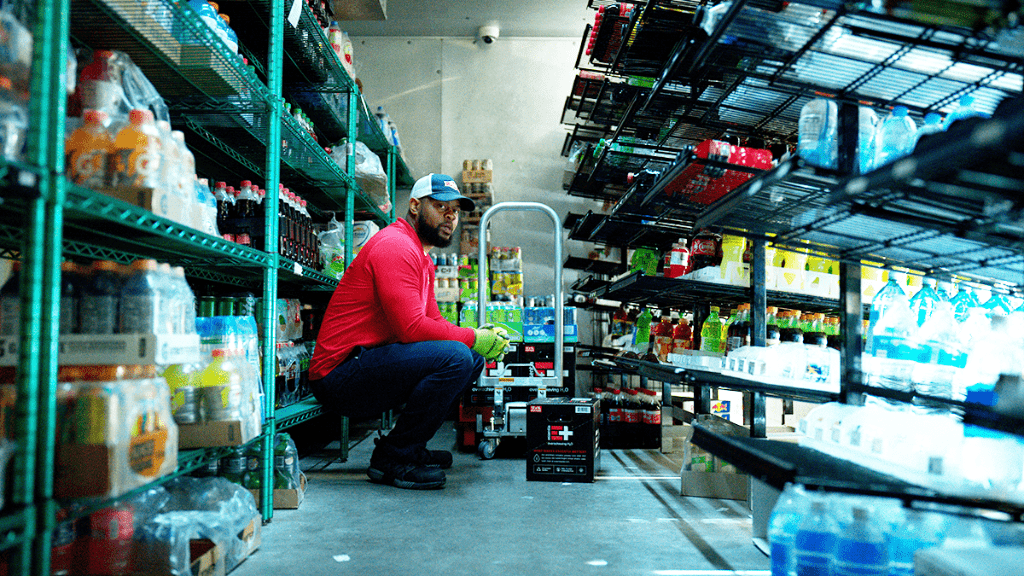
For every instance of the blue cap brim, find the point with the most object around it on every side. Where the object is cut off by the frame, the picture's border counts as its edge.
(466, 204)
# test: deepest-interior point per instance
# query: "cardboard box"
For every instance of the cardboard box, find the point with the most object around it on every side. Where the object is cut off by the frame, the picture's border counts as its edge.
(477, 176)
(725, 485)
(563, 439)
(286, 498)
(674, 439)
(84, 470)
(115, 349)
(213, 434)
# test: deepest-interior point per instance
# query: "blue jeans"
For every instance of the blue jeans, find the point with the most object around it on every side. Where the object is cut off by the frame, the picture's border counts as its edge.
(427, 377)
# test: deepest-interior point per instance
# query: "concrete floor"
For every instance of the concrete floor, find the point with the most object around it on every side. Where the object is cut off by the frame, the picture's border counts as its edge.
(489, 520)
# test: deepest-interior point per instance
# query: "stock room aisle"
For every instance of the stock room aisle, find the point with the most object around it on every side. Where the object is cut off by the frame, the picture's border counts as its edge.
(489, 520)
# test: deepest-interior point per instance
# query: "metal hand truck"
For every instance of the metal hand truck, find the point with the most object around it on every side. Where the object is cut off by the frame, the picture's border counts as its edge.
(509, 418)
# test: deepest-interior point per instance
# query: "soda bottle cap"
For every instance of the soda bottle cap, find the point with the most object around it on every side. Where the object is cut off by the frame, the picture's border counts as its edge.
(105, 265)
(137, 116)
(147, 264)
(231, 190)
(616, 391)
(64, 266)
(221, 185)
(104, 53)
(715, 309)
(246, 183)
(219, 353)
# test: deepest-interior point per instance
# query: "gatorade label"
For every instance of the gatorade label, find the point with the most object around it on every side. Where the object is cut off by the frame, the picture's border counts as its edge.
(139, 167)
(88, 167)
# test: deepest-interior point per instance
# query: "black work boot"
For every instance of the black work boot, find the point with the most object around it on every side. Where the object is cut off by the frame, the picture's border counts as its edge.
(387, 467)
(434, 459)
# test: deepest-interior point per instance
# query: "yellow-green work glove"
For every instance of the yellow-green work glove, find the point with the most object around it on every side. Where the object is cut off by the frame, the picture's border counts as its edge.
(490, 342)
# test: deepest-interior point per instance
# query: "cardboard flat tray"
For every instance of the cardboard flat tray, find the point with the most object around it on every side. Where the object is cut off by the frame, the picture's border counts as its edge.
(114, 349)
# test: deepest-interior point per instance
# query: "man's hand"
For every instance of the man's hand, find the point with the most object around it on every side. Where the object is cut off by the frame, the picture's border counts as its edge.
(491, 342)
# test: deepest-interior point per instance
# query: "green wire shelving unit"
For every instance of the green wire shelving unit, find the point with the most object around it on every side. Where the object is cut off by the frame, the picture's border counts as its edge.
(231, 113)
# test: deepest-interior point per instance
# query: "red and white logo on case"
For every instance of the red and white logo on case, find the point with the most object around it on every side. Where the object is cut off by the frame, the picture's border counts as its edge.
(559, 433)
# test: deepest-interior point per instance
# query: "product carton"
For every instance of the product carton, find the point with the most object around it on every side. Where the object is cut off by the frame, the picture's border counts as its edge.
(213, 434)
(206, 557)
(286, 498)
(114, 349)
(563, 439)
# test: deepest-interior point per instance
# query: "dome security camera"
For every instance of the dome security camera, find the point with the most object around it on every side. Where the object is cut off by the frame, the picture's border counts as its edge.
(489, 32)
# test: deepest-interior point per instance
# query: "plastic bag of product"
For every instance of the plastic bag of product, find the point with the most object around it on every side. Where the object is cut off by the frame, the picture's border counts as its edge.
(215, 509)
(370, 174)
(332, 249)
(111, 82)
(15, 51)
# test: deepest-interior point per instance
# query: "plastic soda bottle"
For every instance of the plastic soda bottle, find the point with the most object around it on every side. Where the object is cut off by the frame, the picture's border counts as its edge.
(682, 337)
(286, 463)
(252, 478)
(87, 150)
(136, 153)
(233, 466)
(711, 332)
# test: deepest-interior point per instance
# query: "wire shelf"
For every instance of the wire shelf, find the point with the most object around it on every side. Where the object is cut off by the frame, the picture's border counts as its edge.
(178, 52)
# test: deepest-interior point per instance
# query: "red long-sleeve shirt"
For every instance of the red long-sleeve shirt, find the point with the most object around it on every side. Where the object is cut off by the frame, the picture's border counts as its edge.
(386, 296)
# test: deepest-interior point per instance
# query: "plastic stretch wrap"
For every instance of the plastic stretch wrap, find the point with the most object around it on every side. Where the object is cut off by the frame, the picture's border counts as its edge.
(113, 436)
(109, 81)
(214, 509)
(370, 174)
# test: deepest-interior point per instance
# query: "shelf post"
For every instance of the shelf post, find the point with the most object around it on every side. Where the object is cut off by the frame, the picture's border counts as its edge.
(350, 169)
(754, 408)
(275, 103)
(852, 321)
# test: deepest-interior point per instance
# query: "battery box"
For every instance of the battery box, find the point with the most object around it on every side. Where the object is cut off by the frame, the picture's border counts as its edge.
(518, 375)
(563, 441)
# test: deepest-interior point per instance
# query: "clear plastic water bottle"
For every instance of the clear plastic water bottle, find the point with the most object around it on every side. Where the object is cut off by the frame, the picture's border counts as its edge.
(942, 343)
(932, 125)
(917, 532)
(991, 354)
(964, 109)
(925, 301)
(867, 128)
(782, 527)
(963, 302)
(896, 136)
(815, 541)
(861, 549)
(997, 304)
(13, 123)
(895, 349)
(891, 292)
(818, 142)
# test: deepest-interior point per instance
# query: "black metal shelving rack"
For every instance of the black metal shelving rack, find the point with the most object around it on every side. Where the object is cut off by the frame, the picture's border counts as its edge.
(951, 208)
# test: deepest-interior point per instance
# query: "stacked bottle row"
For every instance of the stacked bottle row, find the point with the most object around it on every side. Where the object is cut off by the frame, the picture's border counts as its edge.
(105, 297)
(880, 142)
(946, 346)
(243, 465)
(240, 216)
(630, 418)
(817, 535)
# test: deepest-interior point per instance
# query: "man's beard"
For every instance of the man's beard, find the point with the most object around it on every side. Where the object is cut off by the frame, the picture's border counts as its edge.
(431, 236)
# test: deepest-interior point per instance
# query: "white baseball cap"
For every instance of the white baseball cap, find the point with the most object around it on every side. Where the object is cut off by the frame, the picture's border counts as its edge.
(441, 187)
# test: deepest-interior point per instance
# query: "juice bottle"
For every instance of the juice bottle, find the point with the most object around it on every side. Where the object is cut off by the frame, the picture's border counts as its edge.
(87, 150)
(682, 337)
(662, 333)
(136, 155)
(711, 332)
(183, 382)
(286, 466)
(772, 334)
(221, 386)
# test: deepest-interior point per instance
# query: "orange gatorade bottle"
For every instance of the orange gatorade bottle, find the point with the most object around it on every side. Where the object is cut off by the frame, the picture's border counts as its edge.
(136, 156)
(87, 149)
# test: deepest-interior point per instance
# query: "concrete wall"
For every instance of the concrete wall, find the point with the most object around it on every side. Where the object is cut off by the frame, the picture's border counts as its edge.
(456, 98)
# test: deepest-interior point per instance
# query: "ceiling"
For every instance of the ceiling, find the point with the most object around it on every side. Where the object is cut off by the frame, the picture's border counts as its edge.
(462, 18)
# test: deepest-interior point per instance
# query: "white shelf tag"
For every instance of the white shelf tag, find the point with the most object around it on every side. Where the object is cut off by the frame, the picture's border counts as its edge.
(297, 270)
(295, 13)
